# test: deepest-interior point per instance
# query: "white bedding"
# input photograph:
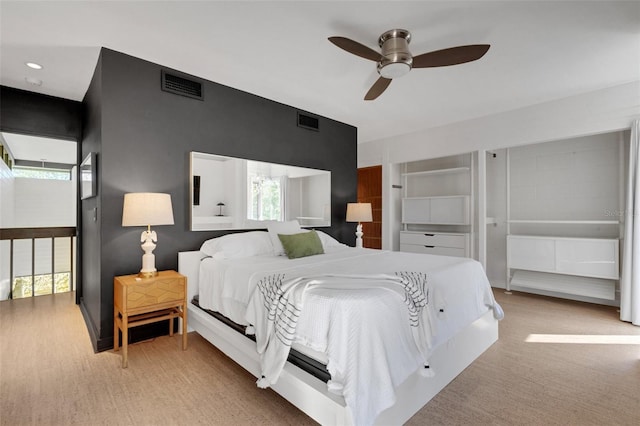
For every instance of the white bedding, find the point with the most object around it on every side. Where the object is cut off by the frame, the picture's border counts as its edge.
(365, 336)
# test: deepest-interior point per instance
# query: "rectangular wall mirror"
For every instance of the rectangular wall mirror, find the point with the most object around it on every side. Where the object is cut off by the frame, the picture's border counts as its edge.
(234, 193)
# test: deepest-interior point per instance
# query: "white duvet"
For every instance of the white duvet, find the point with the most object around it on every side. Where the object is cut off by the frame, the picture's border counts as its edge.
(363, 330)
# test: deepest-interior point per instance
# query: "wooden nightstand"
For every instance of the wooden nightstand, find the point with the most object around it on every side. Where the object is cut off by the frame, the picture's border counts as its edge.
(139, 301)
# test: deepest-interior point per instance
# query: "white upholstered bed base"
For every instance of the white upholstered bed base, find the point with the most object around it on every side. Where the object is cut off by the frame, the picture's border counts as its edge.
(309, 393)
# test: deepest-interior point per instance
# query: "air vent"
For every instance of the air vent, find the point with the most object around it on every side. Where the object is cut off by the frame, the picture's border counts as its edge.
(182, 86)
(308, 122)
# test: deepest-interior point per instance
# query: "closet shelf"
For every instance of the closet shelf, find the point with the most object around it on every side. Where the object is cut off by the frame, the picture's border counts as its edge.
(438, 171)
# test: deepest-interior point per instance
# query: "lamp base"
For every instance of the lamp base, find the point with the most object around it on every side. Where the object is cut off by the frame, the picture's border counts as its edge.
(359, 235)
(148, 258)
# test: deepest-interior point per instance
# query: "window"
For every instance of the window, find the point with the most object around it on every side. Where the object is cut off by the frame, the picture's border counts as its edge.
(265, 198)
(41, 173)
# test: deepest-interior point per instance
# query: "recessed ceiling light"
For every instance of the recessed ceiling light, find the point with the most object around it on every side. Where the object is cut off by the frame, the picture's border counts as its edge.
(34, 81)
(33, 65)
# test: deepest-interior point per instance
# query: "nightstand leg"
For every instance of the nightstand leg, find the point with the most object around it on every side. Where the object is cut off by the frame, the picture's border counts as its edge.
(125, 340)
(116, 331)
(184, 328)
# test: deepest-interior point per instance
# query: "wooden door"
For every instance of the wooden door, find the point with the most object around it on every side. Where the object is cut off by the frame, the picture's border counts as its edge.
(370, 191)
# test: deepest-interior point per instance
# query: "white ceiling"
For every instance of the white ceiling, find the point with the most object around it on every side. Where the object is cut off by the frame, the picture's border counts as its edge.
(540, 51)
(32, 148)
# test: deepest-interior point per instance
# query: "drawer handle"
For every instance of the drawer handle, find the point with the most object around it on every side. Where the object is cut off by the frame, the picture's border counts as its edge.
(429, 235)
(430, 246)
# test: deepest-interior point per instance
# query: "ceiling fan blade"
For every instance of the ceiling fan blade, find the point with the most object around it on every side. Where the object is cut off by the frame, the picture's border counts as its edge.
(450, 56)
(378, 87)
(355, 48)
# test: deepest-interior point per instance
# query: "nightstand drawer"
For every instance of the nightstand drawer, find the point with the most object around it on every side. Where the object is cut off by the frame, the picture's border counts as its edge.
(134, 294)
(158, 291)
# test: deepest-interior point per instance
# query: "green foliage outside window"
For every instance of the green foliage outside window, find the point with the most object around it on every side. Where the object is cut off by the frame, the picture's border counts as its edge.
(22, 285)
(266, 199)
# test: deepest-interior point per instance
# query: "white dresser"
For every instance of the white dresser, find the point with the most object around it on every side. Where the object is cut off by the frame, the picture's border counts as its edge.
(437, 206)
(443, 243)
(581, 266)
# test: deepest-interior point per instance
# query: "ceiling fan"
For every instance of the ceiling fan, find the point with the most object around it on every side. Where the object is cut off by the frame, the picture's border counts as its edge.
(395, 59)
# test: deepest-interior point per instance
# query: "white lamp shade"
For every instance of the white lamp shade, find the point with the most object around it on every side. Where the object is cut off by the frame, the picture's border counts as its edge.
(147, 208)
(359, 212)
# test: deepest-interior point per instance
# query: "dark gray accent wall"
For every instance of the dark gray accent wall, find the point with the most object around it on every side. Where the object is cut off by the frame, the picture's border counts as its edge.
(30, 113)
(143, 137)
(89, 219)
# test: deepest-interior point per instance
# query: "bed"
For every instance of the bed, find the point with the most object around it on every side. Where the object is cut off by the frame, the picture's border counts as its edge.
(356, 308)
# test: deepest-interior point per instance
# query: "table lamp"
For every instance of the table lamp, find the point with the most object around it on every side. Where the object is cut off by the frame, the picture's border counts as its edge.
(146, 209)
(359, 212)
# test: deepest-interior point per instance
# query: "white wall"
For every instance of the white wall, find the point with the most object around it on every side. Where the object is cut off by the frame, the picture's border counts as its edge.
(571, 179)
(44, 202)
(601, 111)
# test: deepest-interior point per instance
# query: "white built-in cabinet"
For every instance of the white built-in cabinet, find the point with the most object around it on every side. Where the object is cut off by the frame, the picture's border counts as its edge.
(564, 200)
(547, 217)
(580, 266)
(445, 210)
(444, 243)
(437, 206)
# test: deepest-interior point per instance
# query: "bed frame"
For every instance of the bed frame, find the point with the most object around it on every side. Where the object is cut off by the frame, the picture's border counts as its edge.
(309, 393)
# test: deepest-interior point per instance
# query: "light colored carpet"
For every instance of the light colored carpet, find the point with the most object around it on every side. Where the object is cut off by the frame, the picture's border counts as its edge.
(517, 382)
(49, 374)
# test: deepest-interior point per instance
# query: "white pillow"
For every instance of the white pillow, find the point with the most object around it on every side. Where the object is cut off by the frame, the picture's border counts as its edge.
(286, 228)
(236, 246)
(328, 241)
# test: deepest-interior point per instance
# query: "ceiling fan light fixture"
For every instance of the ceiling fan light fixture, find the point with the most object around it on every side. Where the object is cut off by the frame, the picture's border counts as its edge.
(393, 69)
(396, 59)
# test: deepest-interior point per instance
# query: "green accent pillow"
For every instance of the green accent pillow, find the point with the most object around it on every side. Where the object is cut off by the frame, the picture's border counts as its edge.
(301, 245)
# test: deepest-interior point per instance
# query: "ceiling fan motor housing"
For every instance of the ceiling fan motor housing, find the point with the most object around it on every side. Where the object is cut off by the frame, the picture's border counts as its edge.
(396, 59)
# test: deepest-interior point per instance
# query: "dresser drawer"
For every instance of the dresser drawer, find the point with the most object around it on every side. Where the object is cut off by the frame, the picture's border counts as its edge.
(433, 239)
(444, 251)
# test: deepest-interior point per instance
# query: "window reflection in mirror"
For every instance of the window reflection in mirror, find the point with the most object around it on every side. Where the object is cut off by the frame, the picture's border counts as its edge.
(266, 193)
(234, 193)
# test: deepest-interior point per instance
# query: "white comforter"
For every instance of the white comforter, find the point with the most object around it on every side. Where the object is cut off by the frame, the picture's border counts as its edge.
(364, 332)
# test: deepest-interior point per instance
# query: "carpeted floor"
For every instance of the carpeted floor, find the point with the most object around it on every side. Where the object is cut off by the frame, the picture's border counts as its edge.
(49, 374)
